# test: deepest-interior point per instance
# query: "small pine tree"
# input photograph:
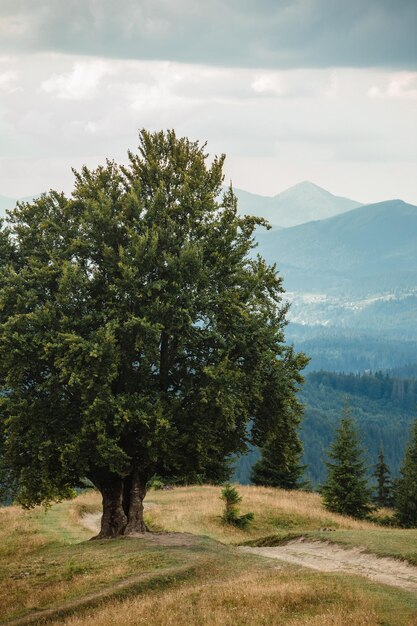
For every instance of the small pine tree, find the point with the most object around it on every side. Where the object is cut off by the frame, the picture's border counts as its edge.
(406, 490)
(383, 496)
(231, 515)
(279, 465)
(346, 489)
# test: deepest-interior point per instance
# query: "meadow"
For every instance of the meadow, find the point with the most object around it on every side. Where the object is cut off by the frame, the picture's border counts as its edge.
(190, 570)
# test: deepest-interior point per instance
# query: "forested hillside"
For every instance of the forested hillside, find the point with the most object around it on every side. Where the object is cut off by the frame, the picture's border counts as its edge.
(348, 350)
(383, 406)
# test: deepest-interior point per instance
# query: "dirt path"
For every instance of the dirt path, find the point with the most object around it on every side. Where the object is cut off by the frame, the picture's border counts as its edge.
(91, 521)
(119, 589)
(329, 557)
(325, 557)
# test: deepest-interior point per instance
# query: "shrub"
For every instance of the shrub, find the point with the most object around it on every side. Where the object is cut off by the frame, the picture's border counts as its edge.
(231, 515)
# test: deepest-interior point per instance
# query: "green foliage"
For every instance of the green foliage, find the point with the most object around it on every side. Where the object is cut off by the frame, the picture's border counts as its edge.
(406, 488)
(231, 515)
(279, 465)
(382, 474)
(346, 489)
(155, 483)
(139, 334)
(384, 408)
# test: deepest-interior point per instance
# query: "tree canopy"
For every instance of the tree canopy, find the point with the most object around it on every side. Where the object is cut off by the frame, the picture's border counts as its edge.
(346, 489)
(139, 332)
(406, 487)
(384, 486)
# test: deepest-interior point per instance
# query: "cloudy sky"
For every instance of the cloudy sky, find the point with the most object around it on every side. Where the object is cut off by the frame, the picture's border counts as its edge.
(290, 90)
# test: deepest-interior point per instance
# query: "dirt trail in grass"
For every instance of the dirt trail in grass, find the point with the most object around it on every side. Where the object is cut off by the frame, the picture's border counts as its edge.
(119, 589)
(325, 557)
(329, 557)
(91, 521)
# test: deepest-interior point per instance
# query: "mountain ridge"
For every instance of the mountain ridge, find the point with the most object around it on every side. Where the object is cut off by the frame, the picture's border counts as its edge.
(298, 204)
(352, 272)
(354, 240)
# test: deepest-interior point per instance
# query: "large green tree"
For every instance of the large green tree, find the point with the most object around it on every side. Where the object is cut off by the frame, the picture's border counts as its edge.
(406, 486)
(346, 488)
(139, 332)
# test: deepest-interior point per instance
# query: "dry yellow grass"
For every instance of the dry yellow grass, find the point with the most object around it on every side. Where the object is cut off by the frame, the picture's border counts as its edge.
(198, 510)
(225, 587)
(18, 535)
(87, 502)
(43, 561)
(258, 598)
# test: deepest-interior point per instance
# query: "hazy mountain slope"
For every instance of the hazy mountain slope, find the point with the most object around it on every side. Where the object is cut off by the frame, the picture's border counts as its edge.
(9, 203)
(6, 203)
(352, 272)
(376, 239)
(302, 203)
(338, 348)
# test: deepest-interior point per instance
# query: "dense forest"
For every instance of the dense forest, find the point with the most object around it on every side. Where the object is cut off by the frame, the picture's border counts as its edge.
(337, 349)
(383, 405)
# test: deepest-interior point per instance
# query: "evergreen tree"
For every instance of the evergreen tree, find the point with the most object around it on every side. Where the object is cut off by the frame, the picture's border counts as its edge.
(231, 515)
(139, 334)
(406, 487)
(346, 489)
(279, 465)
(382, 474)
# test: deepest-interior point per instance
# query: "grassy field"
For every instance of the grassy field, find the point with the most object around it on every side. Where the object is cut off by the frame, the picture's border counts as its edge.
(279, 515)
(193, 578)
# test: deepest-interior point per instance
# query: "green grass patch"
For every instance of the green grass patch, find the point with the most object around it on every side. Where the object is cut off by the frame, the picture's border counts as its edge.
(395, 542)
(47, 562)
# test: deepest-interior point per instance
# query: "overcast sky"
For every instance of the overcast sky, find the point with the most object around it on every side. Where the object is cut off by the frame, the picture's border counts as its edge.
(290, 90)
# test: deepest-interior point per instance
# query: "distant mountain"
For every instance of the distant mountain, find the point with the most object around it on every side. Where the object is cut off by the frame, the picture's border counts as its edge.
(299, 204)
(354, 272)
(6, 203)
(9, 203)
(372, 241)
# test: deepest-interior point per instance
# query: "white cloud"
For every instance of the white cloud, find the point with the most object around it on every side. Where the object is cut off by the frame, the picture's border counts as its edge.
(402, 85)
(8, 81)
(268, 84)
(79, 84)
(276, 126)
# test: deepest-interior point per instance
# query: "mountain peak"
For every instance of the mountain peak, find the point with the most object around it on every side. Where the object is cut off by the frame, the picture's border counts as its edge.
(306, 184)
(301, 203)
(305, 189)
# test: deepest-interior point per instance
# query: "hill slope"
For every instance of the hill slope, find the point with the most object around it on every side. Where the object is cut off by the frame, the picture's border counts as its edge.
(383, 408)
(50, 572)
(357, 270)
(6, 203)
(368, 241)
(298, 204)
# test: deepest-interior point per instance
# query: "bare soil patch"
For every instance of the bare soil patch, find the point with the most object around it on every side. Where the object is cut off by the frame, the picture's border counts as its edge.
(329, 557)
(91, 521)
(179, 540)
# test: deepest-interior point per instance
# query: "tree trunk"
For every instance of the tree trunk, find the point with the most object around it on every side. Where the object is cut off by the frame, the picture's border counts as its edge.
(137, 493)
(114, 519)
